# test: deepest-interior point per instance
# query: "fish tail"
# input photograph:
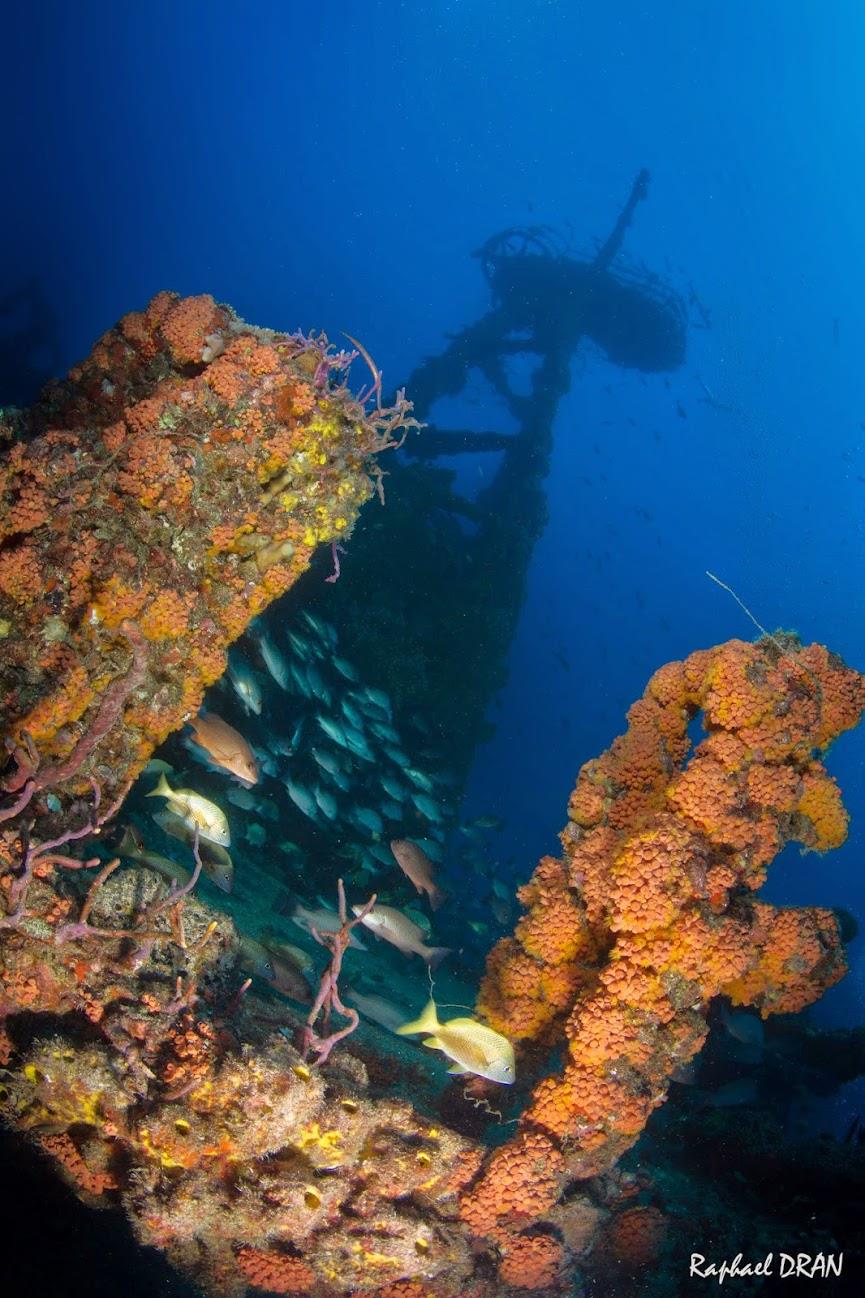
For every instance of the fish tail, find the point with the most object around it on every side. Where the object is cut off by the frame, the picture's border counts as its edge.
(428, 1022)
(435, 954)
(162, 789)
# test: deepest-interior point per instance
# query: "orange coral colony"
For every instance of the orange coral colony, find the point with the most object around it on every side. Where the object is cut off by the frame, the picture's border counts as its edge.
(650, 911)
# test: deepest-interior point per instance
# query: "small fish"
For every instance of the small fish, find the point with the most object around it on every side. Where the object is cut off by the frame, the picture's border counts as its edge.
(267, 808)
(283, 976)
(434, 850)
(324, 919)
(286, 745)
(501, 890)
(479, 927)
(326, 760)
(216, 862)
(225, 746)
(393, 788)
(156, 766)
(300, 645)
(472, 1046)
(341, 780)
(420, 779)
(396, 755)
(298, 677)
(302, 798)
(265, 759)
(391, 925)
(344, 668)
(390, 810)
(377, 698)
(242, 798)
(317, 685)
(366, 818)
(426, 806)
(357, 744)
(133, 849)
(743, 1027)
(286, 950)
(351, 714)
(195, 811)
(369, 867)
(332, 729)
(322, 629)
(290, 849)
(381, 854)
(418, 869)
(274, 661)
(254, 833)
(501, 911)
(326, 801)
(246, 685)
(377, 1009)
(383, 731)
(486, 822)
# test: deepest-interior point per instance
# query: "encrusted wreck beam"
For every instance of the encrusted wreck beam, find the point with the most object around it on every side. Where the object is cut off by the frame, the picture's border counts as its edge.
(650, 912)
(151, 504)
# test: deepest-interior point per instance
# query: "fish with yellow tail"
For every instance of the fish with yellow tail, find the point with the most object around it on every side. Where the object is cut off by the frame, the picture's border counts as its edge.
(472, 1046)
(195, 811)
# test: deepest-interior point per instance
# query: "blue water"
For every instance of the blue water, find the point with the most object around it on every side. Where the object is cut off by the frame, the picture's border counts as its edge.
(332, 167)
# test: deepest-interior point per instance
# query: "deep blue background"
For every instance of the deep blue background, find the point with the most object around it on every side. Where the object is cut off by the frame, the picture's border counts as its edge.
(333, 166)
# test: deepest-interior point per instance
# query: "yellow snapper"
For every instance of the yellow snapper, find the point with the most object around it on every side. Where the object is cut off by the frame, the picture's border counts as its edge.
(473, 1047)
(195, 811)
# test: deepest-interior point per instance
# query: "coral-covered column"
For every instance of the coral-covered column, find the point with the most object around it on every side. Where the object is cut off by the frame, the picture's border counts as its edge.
(650, 911)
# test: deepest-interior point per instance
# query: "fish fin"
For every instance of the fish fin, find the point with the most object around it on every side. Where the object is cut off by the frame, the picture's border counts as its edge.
(458, 1070)
(162, 789)
(435, 954)
(436, 897)
(129, 844)
(432, 1042)
(428, 1021)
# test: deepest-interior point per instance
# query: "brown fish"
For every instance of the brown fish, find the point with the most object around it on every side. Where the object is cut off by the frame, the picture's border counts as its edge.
(417, 867)
(218, 865)
(225, 747)
(283, 977)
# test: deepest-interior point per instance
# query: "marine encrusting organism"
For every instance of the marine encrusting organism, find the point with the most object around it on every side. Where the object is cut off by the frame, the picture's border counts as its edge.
(650, 913)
